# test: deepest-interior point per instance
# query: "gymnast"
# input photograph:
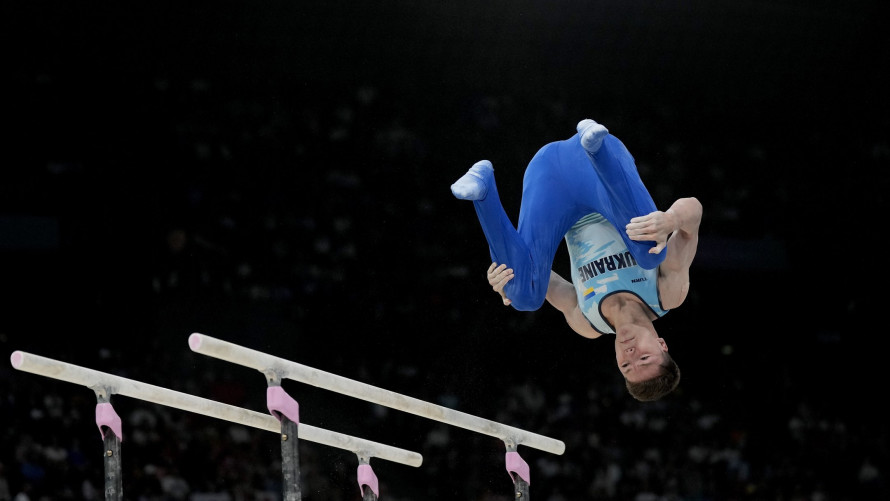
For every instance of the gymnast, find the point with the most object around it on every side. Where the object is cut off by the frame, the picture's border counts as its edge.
(582, 189)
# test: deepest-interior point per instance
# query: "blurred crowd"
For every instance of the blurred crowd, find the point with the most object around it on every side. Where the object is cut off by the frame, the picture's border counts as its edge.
(682, 449)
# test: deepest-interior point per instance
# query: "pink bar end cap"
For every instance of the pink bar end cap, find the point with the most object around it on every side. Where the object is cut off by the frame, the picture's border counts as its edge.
(367, 477)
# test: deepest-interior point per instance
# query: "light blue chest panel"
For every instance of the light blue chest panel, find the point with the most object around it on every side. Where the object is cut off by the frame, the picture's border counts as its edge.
(602, 265)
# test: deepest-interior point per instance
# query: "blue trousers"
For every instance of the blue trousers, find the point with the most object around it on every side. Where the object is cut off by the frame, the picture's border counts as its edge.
(563, 183)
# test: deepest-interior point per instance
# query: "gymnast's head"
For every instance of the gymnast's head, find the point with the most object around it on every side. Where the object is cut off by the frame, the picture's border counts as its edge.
(649, 370)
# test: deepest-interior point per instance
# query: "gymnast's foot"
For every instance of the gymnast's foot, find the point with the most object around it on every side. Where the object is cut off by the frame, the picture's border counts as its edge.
(473, 185)
(592, 135)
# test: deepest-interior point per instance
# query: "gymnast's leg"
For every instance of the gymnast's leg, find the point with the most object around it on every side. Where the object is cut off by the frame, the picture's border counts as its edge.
(551, 203)
(504, 243)
(626, 196)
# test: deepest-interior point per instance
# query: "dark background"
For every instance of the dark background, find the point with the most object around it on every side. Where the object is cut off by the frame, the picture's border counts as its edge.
(277, 174)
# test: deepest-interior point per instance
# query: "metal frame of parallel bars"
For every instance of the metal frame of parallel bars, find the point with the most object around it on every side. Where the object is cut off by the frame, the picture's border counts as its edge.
(283, 419)
(275, 369)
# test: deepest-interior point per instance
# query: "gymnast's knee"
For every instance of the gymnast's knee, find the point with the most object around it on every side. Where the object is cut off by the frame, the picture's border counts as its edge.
(649, 261)
(528, 300)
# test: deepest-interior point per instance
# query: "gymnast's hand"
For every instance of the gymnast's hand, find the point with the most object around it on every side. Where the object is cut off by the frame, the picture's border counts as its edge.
(653, 227)
(498, 276)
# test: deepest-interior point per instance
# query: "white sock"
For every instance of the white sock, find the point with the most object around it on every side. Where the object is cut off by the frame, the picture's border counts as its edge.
(471, 186)
(592, 134)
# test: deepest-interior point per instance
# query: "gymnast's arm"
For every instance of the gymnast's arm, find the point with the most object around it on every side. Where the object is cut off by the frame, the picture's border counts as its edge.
(681, 222)
(561, 294)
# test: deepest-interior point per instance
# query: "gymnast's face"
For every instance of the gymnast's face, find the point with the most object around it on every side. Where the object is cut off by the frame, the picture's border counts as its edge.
(639, 353)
